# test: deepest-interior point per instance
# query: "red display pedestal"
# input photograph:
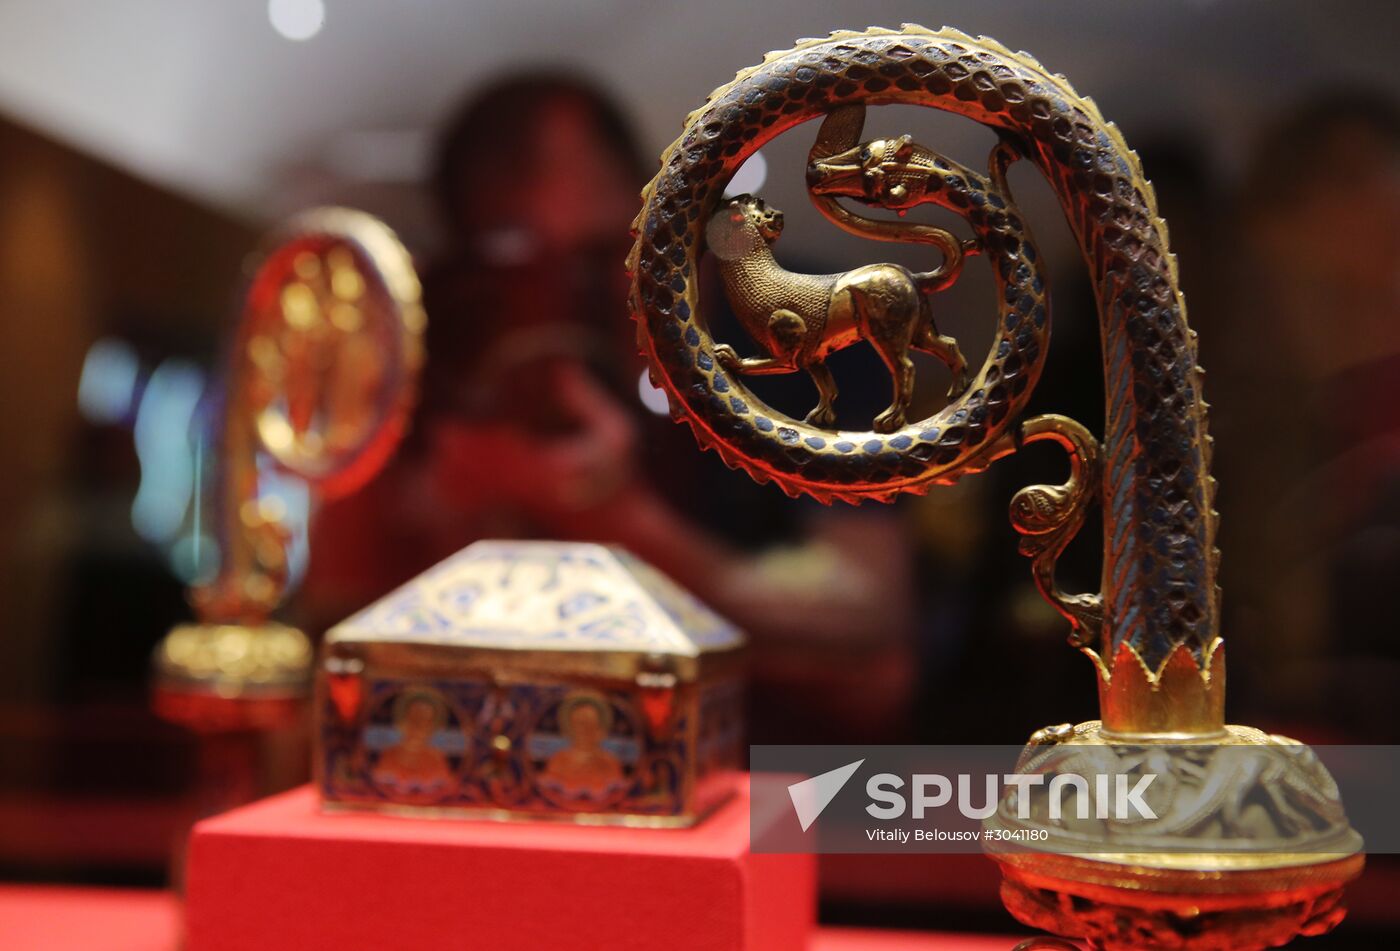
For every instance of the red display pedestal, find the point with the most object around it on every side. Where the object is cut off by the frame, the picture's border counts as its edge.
(56, 918)
(280, 875)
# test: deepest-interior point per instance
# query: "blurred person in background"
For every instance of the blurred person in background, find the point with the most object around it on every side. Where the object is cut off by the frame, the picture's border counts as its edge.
(1315, 370)
(531, 426)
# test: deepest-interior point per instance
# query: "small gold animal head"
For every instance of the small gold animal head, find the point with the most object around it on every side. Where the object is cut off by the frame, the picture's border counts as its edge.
(733, 230)
(872, 172)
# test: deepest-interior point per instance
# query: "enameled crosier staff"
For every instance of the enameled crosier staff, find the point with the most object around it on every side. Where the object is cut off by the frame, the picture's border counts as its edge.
(1152, 633)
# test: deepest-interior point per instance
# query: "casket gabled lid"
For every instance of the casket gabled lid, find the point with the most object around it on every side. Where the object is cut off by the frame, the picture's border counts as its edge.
(560, 598)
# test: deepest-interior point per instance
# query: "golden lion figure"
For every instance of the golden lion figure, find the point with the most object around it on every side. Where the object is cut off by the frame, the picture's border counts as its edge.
(799, 319)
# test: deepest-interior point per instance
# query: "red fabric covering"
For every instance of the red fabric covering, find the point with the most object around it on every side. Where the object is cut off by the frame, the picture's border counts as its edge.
(863, 939)
(43, 918)
(912, 879)
(281, 876)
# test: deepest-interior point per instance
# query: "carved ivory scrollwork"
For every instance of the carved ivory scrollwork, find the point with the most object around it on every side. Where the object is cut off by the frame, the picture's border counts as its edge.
(1049, 516)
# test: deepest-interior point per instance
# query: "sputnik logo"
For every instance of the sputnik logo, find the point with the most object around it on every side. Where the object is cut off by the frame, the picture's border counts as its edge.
(811, 796)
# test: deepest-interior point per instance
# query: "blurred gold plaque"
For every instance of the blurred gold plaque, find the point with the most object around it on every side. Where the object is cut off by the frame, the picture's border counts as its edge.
(321, 378)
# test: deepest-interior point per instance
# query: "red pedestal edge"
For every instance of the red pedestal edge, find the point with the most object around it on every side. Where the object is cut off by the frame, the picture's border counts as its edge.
(280, 875)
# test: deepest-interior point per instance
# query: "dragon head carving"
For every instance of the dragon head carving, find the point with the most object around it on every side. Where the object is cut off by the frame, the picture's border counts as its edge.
(883, 172)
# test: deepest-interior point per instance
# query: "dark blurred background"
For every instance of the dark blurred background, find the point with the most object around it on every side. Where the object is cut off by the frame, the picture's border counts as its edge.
(144, 147)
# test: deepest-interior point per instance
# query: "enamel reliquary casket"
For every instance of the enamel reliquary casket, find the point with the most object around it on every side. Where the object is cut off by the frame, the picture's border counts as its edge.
(530, 679)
